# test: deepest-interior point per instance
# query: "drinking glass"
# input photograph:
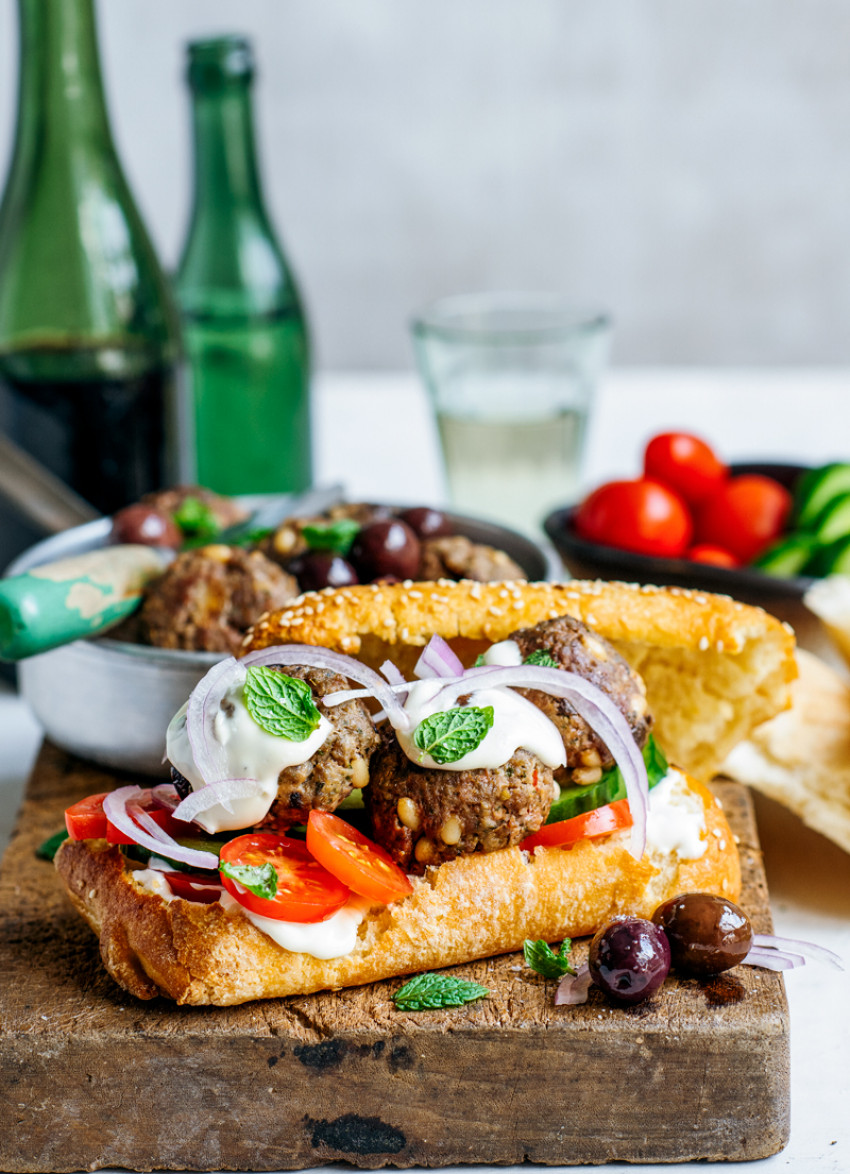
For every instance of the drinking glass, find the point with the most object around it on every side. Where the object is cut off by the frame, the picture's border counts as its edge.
(511, 378)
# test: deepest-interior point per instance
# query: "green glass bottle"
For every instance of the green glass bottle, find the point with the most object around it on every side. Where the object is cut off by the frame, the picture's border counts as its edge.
(89, 331)
(243, 323)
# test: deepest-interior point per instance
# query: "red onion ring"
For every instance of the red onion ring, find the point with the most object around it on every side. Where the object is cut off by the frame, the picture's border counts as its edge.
(115, 809)
(204, 702)
(766, 941)
(773, 959)
(591, 704)
(165, 795)
(394, 675)
(574, 988)
(437, 660)
(213, 794)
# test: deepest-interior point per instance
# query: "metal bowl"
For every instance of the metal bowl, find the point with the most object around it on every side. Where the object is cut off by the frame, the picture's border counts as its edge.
(111, 702)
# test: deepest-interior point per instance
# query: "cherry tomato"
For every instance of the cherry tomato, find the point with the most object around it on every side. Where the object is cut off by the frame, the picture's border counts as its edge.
(715, 556)
(643, 516)
(164, 819)
(194, 886)
(306, 891)
(599, 822)
(85, 820)
(745, 515)
(685, 463)
(355, 860)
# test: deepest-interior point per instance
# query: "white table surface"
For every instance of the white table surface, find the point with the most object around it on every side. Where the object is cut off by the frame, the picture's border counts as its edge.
(374, 433)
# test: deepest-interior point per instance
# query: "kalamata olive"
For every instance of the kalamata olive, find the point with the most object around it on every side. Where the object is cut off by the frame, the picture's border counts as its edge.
(629, 959)
(142, 524)
(386, 547)
(707, 934)
(427, 522)
(315, 569)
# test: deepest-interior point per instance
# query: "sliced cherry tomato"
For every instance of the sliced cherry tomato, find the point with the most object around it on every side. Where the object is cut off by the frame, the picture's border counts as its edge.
(305, 890)
(194, 886)
(745, 515)
(715, 556)
(599, 822)
(643, 516)
(365, 867)
(85, 820)
(685, 463)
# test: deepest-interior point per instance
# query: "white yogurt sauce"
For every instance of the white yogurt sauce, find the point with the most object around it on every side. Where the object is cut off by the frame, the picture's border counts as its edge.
(505, 653)
(516, 723)
(247, 751)
(333, 938)
(676, 821)
(152, 881)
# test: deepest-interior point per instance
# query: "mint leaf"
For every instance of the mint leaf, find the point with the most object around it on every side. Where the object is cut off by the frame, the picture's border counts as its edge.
(447, 736)
(281, 705)
(50, 847)
(259, 879)
(540, 957)
(253, 537)
(335, 536)
(542, 657)
(428, 992)
(479, 661)
(196, 520)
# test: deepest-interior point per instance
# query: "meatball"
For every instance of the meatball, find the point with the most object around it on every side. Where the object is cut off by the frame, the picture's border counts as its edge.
(456, 557)
(426, 816)
(339, 765)
(575, 647)
(208, 598)
(225, 511)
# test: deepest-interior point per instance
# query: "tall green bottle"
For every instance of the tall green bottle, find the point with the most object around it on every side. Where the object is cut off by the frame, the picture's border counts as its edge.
(89, 332)
(243, 323)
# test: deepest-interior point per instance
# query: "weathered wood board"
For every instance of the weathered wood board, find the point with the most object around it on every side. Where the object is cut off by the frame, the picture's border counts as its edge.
(92, 1078)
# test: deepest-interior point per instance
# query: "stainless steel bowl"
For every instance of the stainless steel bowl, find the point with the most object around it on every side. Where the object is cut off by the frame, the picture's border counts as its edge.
(111, 702)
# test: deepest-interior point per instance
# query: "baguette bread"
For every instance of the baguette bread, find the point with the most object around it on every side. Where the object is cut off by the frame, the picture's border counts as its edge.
(714, 669)
(469, 908)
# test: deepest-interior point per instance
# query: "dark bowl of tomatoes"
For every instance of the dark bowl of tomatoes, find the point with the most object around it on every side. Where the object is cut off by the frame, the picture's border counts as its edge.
(587, 559)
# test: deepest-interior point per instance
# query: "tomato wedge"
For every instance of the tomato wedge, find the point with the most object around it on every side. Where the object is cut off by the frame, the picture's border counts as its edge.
(85, 820)
(305, 890)
(599, 822)
(365, 867)
(194, 886)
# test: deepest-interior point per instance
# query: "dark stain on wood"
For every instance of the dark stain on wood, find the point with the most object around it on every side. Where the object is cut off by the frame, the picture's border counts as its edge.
(92, 1079)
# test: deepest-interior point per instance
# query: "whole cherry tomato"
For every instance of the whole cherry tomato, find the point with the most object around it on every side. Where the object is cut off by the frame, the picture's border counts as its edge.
(685, 463)
(715, 556)
(745, 515)
(643, 516)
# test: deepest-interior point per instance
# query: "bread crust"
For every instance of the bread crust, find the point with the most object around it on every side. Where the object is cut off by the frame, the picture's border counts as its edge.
(470, 908)
(714, 668)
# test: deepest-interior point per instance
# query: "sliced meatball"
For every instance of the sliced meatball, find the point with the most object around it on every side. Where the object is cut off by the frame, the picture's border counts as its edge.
(208, 598)
(424, 816)
(576, 647)
(225, 510)
(339, 765)
(457, 557)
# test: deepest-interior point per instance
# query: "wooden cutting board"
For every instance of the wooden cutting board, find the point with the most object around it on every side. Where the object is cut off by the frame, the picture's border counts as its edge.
(91, 1077)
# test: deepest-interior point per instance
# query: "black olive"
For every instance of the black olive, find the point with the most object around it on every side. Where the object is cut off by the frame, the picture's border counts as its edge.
(383, 548)
(629, 959)
(315, 569)
(427, 522)
(142, 524)
(707, 934)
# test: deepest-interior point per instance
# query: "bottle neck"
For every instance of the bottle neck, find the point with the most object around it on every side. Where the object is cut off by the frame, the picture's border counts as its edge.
(226, 177)
(61, 98)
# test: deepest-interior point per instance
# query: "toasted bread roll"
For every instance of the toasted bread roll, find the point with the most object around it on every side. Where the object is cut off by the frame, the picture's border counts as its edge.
(472, 907)
(714, 668)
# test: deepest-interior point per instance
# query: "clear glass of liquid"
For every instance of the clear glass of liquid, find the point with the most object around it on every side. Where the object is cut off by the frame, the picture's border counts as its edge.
(511, 378)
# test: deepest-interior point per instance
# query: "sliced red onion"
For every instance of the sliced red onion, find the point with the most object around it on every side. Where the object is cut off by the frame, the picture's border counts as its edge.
(393, 674)
(591, 704)
(795, 945)
(773, 959)
(574, 988)
(335, 662)
(213, 794)
(204, 703)
(437, 660)
(115, 809)
(165, 795)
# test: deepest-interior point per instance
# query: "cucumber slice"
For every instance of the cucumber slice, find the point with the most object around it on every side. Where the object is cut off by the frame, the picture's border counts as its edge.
(789, 556)
(816, 489)
(834, 522)
(578, 800)
(832, 560)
